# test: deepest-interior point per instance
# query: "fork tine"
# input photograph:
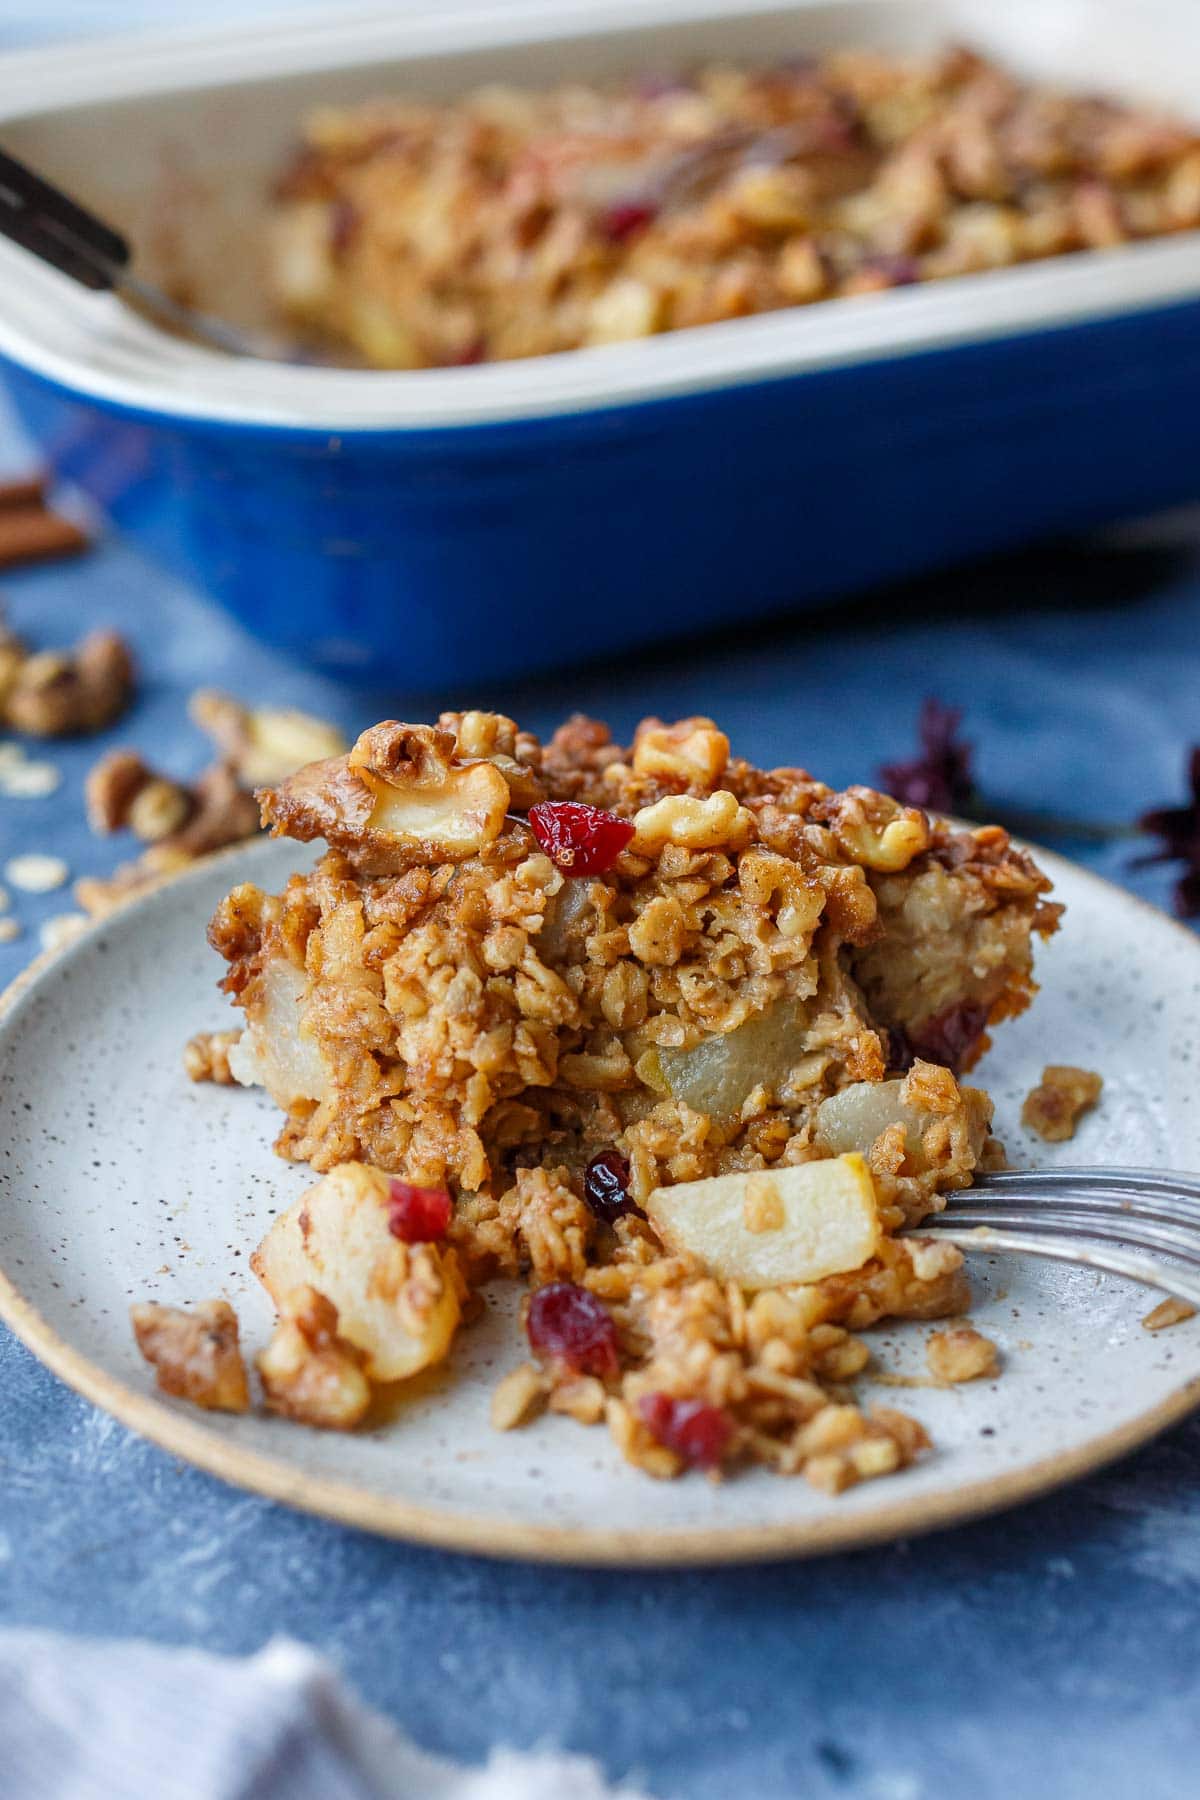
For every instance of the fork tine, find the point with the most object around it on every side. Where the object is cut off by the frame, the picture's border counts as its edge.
(1114, 1205)
(1083, 1251)
(1170, 1240)
(1135, 1182)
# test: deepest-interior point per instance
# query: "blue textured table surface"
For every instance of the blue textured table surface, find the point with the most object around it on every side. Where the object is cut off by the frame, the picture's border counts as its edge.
(1051, 1651)
(1048, 1652)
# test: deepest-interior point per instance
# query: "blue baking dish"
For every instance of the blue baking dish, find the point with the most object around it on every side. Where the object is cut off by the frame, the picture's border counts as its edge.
(446, 525)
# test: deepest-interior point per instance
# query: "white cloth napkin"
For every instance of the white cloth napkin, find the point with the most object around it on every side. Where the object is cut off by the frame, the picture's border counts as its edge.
(82, 1719)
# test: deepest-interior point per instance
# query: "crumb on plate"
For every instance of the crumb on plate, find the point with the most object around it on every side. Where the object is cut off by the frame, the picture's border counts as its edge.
(1053, 1108)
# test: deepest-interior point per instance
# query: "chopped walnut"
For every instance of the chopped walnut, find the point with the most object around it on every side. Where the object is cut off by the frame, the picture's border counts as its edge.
(195, 1354)
(59, 693)
(1168, 1312)
(1053, 1108)
(400, 796)
(206, 1057)
(960, 1354)
(717, 822)
(265, 743)
(178, 823)
(692, 751)
(308, 1372)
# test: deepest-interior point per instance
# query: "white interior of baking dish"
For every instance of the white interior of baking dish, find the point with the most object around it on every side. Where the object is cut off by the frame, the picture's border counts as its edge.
(178, 138)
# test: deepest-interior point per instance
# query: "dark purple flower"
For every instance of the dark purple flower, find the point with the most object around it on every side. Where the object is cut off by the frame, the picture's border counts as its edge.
(1179, 829)
(940, 779)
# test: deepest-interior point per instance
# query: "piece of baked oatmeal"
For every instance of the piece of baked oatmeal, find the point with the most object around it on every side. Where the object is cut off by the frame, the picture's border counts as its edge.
(678, 1036)
(514, 223)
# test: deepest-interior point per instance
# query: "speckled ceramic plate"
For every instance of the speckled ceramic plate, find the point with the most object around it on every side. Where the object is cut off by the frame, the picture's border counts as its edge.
(123, 1181)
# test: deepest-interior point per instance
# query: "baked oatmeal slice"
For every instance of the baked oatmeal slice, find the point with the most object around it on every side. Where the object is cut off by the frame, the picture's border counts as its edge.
(674, 1037)
(459, 992)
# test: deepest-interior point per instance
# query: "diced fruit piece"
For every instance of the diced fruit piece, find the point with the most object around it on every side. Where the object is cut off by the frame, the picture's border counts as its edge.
(606, 1187)
(828, 1212)
(855, 1117)
(717, 1075)
(579, 839)
(624, 218)
(418, 1215)
(693, 1429)
(567, 1325)
(275, 1051)
(397, 1302)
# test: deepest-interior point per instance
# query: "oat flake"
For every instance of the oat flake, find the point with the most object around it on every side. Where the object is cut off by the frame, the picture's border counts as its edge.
(35, 873)
(29, 780)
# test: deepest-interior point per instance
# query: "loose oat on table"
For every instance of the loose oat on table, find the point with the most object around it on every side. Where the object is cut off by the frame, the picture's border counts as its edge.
(677, 1040)
(36, 873)
(512, 223)
(1053, 1108)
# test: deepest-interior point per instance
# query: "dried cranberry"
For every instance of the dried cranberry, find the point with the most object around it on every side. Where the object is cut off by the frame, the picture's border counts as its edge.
(895, 271)
(418, 1215)
(474, 351)
(581, 839)
(950, 1038)
(694, 1430)
(567, 1324)
(625, 218)
(606, 1187)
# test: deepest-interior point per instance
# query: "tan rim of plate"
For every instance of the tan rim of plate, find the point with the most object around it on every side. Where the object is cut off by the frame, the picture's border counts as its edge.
(350, 1505)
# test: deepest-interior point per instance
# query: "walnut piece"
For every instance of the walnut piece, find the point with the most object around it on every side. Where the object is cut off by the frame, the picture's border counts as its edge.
(308, 1372)
(960, 1354)
(59, 693)
(401, 795)
(206, 1057)
(195, 1354)
(1053, 1109)
(178, 823)
(718, 822)
(693, 751)
(266, 743)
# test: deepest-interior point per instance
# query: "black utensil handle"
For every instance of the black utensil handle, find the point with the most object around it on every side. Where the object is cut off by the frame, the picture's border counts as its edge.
(39, 217)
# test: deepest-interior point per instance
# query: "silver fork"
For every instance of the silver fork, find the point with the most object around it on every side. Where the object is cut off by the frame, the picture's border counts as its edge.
(1121, 1220)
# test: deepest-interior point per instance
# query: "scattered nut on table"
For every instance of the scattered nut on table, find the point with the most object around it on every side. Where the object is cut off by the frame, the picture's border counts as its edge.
(60, 693)
(180, 821)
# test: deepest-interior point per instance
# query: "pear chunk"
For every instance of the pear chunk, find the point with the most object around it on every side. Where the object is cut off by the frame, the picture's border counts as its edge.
(397, 1302)
(774, 1228)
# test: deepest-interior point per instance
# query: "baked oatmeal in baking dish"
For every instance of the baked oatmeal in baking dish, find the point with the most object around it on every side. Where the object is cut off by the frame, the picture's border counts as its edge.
(513, 223)
(675, 1040)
